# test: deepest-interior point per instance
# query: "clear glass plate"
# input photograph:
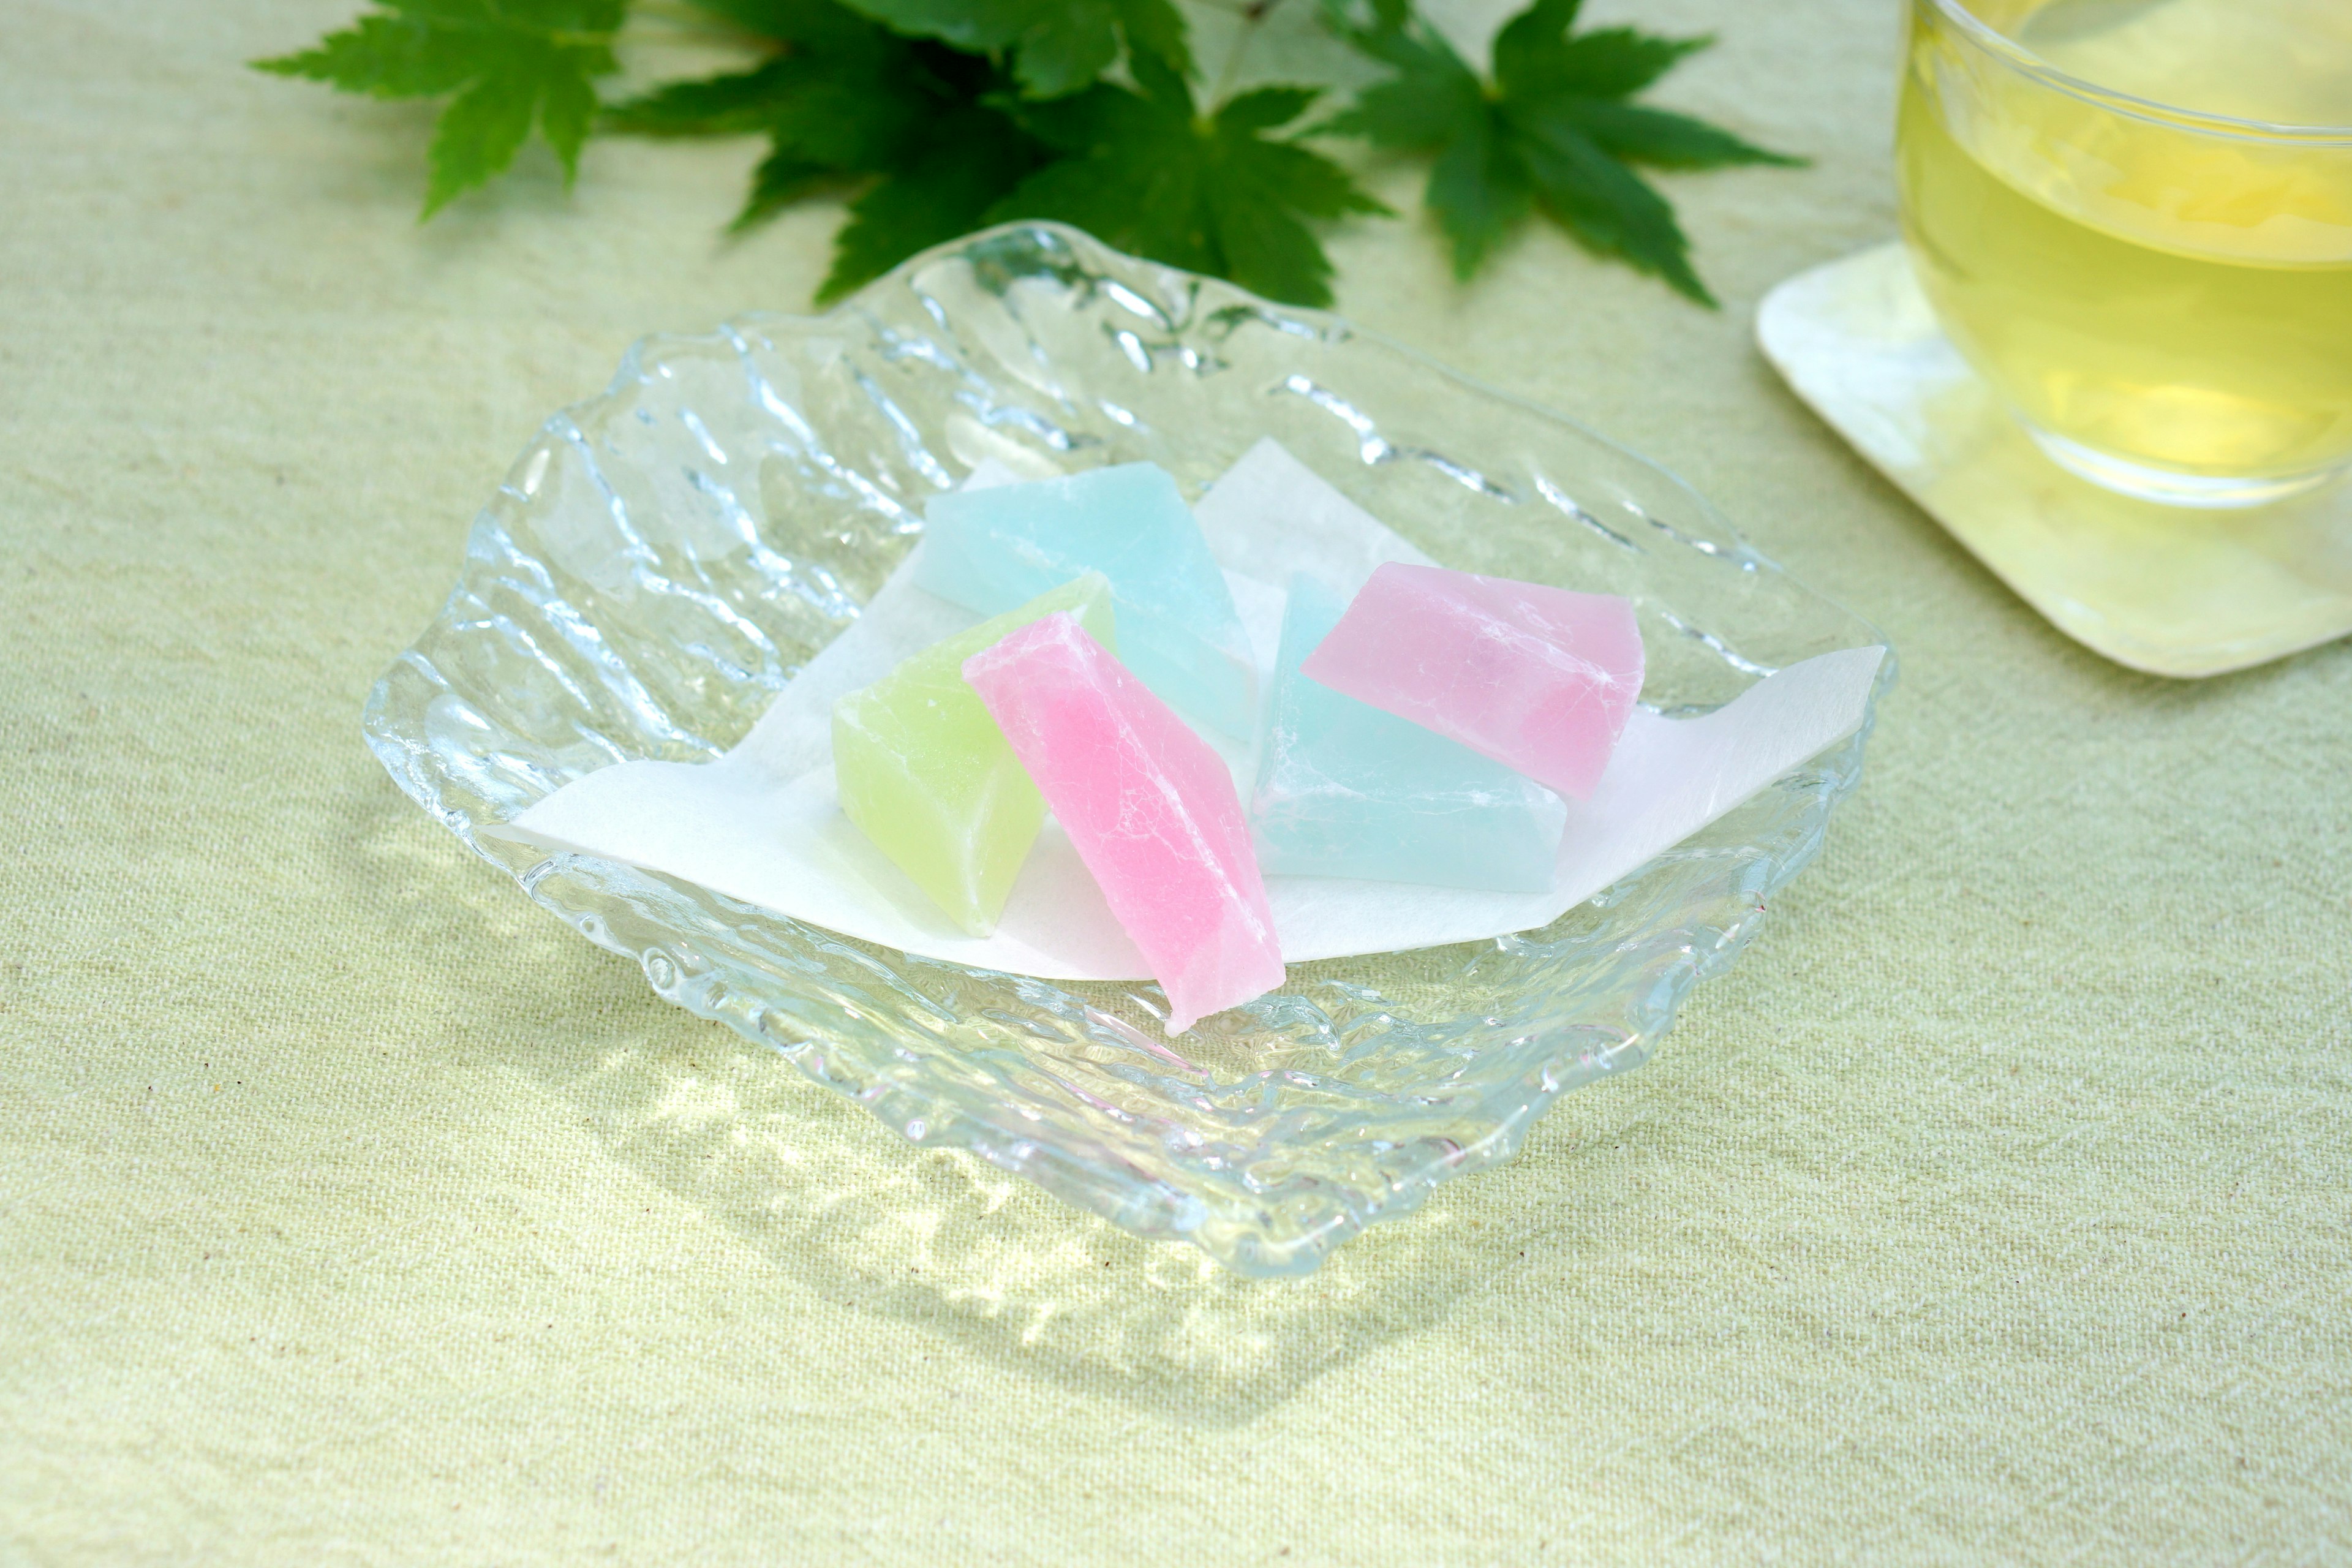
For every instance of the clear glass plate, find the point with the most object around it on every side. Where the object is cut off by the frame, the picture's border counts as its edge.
(664, 557)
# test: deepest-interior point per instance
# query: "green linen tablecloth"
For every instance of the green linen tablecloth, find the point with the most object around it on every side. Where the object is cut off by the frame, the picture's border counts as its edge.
(1994, 1209)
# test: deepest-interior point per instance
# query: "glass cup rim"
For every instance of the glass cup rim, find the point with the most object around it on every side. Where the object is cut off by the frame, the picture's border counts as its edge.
(2019, 57)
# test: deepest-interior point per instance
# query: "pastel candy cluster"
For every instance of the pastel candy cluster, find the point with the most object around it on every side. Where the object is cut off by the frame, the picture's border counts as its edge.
(950, 763)
(1424, 732)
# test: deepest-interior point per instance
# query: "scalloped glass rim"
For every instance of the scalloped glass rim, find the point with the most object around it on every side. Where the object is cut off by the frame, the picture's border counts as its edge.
(662, 557)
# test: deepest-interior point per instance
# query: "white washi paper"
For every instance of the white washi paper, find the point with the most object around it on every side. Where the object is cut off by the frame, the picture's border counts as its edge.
(762, 824)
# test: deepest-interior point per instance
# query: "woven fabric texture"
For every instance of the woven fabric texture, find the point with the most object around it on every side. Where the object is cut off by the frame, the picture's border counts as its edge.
(1992, 1210)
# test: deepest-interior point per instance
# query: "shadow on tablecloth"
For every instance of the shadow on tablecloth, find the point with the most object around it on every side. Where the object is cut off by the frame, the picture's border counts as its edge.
(849, 1212)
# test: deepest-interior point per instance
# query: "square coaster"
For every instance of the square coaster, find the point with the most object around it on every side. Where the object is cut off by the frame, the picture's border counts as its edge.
(2168, 590)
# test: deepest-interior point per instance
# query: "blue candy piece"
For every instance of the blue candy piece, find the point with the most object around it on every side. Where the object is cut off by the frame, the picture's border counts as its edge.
(995, 549)
(1347, 790)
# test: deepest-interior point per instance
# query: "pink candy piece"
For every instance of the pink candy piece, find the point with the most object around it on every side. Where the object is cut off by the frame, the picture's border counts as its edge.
(1149, 807)
(1539, 679)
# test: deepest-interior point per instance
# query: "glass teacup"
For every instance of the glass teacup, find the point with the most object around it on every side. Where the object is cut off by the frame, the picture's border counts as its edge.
(2135, 219)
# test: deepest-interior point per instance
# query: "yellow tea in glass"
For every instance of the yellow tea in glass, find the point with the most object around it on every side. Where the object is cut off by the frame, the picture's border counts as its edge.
(2133, 217)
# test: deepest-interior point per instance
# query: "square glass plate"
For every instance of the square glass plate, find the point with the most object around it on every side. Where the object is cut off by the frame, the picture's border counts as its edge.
(663, 558)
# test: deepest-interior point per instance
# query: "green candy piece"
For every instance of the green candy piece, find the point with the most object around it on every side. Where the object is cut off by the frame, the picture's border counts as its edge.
(924, 772)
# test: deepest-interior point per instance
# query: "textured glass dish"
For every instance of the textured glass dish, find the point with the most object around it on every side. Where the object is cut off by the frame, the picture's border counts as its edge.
(664, 557)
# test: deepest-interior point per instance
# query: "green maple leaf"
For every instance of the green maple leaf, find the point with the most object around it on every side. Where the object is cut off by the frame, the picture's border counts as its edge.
(851, 99)
(846, 103)
(1144, 171)
(1552, 131)
(510, 64)
(1058, 46)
